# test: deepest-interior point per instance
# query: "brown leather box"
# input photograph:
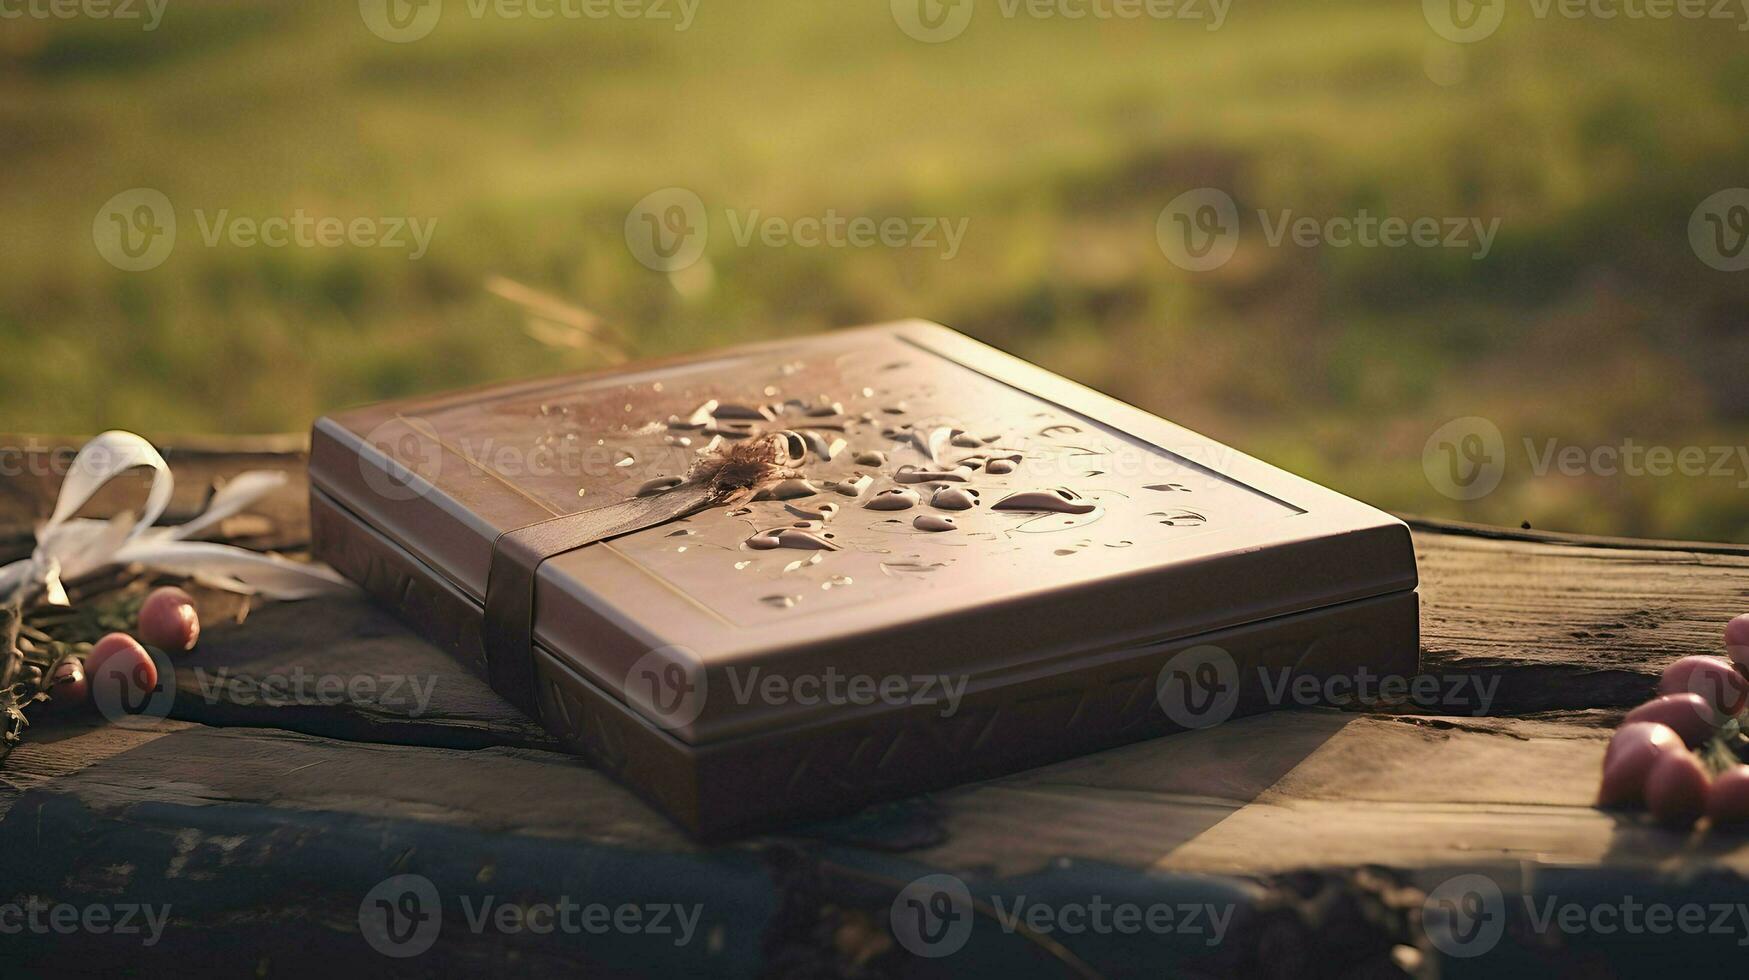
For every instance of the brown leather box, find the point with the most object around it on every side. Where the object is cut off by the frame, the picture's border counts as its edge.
(1099, 575)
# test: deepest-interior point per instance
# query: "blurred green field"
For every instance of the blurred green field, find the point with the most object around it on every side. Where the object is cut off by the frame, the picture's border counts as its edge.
(1058, 141)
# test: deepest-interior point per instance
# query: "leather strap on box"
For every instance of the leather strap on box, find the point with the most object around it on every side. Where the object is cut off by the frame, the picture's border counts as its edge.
(508, 631)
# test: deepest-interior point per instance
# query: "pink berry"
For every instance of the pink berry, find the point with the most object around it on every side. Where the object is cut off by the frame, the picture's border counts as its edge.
(121, 670)
(67, 686)
(168, 620)
(1737, 640)
(1632, 752)
(1692, 716)
(1727, 801)
(1711, 678)
(1676, 789)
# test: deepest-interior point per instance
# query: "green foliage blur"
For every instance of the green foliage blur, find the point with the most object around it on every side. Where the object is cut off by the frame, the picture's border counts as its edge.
(1591, 321)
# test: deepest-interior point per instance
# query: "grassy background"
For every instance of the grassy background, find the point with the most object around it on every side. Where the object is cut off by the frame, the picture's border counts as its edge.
(1059, 141)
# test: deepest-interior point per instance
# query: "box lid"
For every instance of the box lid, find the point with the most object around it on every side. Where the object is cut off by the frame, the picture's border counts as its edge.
(1097, 528)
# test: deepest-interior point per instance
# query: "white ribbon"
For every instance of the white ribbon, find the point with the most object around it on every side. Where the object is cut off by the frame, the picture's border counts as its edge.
(68, 547)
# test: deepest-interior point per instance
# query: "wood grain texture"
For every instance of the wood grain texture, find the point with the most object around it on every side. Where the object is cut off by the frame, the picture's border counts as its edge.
(248, 811)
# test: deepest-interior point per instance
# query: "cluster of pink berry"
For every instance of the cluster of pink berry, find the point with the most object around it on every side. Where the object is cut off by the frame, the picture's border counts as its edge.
(167, 621)
(1651, 761)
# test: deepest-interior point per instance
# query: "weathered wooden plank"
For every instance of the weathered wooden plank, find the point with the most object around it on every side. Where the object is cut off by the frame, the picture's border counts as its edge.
(1542, 640)
(1567, 626)
(287, 839)
(342, 668)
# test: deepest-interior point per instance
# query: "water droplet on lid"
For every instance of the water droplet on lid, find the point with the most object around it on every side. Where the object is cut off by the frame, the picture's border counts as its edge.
(625, 459)
(1060, 429)
(788, 490)
(999, 467)
(911, 474)
(581, 491)
(901, 568)
(1179, 518)
(743, 564)
(853, 487)
(871, 458)
(800, 536)
(955, 498)
(934, 522)
(1059, 500)
(781, 601)
(1119, 544)
(836, 582)
(897, 498)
